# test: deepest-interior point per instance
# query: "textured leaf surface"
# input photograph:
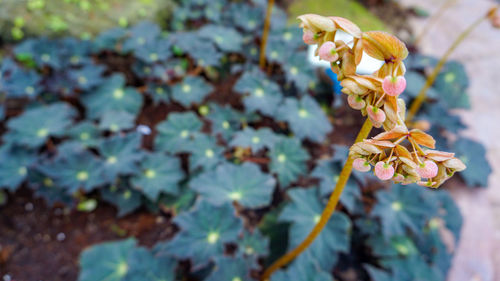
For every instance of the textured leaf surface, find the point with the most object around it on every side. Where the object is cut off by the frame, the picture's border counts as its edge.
(288, 160)
(304, 212)
(175, 134)
(473, 154)
(245, 184)
(158, 173)
(112, 95)
(255, 139)
(204, 230)
(305, 118)
(14, 167)
(227, 39)
(36, 125)
(192, 90)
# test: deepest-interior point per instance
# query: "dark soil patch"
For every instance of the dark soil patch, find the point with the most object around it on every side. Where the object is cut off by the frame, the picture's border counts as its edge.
(39, 242)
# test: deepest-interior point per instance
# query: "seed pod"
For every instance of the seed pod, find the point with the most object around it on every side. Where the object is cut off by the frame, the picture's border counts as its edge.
(309, 37)
(328, 52)
(428, 169)
(383, 170)
(356, 102)
(394, 85)
(376, 114)
(361, 165)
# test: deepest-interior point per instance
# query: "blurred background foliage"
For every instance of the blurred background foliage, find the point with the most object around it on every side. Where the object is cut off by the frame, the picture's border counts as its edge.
(80, 18)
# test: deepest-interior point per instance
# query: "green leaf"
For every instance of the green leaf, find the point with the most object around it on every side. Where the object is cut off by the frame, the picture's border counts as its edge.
(451, 84)
(205, 153)
(121, 154)
(159, 92)
(14, 167)
(302, 269)
(328, 172)
(473, 154)
(76, 170)
(227, 39)
(304, 212)
(288, 160)
(192, 90)
(124, 261)
(415, 82)
(299, 71)
(36, 125)
(124, 198)
(245, 184)
(305, 118)
(255, 139)
(85, 133)
(261, 94)
(403, 208)
(204, 231)
(412, 268)
(116, 121)
(231, 269)
(225, 120)
(253, 244)
(175, 134)
(106, 261)
(159, 173)
(112, 95)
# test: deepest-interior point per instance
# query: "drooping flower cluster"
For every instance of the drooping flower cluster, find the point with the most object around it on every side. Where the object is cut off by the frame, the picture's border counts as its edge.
(403, 155)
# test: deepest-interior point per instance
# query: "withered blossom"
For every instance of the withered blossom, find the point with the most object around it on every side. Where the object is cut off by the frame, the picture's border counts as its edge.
(405, 156)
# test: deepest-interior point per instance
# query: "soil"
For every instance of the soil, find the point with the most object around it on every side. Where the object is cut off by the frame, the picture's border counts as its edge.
(33, 233)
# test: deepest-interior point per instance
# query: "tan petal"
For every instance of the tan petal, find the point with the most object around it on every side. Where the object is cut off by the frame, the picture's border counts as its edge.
(455, 164)
(317, 22)
(402, 151)
(369, 147)
(409, 162)
(384, 46)
(422, 138)
(347, 26)
(382, 143)
(395, 133)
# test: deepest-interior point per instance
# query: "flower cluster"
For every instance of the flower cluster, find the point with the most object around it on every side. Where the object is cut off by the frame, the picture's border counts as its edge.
(403, 155)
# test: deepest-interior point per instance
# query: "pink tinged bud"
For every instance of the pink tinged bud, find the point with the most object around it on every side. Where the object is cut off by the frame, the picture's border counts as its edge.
(398, 178)
(328, 52)
(428, 169)
(376, 114)
(309, 37)
(384, 171)
(394, 86)
(356, 102)
(361, 165)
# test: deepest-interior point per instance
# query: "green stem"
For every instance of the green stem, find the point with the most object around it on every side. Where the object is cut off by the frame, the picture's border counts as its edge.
(265, 34)
(327, 212)
(417, 103)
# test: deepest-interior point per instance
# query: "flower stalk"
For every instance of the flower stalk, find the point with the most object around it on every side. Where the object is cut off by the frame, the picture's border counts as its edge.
(419, 100)
(265, 34)
(327, 212)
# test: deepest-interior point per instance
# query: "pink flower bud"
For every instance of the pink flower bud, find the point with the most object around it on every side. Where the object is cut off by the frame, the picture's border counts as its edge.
(376, 114)
(398, 178)
(361, 165)
(394, 86)
(328, 52)
(356, 102)
(384, 171)
(309, 37)
(428, 169)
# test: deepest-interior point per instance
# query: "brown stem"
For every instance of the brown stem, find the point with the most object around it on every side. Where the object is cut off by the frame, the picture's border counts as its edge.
(327, 212)
(265, 34)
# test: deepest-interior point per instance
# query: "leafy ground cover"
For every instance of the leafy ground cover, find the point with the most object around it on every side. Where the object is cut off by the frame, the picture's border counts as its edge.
(215, 166)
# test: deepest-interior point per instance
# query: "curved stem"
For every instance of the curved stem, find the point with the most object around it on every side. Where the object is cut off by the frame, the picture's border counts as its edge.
(417, 103)
(265, 34)
(433, 19)
(327, 212)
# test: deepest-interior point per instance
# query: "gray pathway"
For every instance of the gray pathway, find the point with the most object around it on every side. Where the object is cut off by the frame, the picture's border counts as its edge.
(478, 256)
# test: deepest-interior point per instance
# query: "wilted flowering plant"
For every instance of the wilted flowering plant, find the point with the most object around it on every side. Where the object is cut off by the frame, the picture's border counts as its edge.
(377, 96)
(399, 154)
